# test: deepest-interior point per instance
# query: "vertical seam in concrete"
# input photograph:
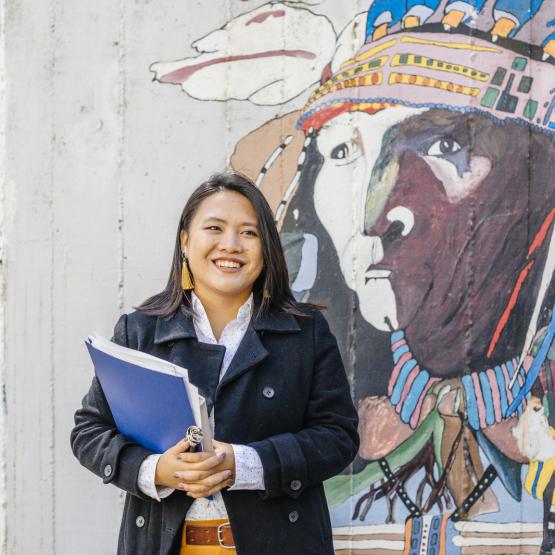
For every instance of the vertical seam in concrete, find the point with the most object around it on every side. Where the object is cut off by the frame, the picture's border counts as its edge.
(227, 115)
(52, 377)
(3, 411)
(122, 108)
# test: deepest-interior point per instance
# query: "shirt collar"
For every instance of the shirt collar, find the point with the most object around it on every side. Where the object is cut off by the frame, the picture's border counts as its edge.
(181, 326)
(243, 314)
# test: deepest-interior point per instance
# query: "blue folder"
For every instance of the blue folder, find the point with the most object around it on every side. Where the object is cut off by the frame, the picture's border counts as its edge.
(149, 407)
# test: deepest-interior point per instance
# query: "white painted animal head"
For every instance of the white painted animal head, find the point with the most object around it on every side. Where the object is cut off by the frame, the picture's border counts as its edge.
(533, 434)
(268, 56)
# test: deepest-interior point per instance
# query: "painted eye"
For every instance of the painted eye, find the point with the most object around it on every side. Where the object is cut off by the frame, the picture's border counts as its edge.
(344, 151)
(444, 147)
(340, 152)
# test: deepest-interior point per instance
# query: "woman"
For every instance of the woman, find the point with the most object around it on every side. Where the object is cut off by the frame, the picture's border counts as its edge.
(274, 381)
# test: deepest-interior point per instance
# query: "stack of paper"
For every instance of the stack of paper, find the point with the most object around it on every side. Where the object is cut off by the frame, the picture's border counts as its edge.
(151, 399)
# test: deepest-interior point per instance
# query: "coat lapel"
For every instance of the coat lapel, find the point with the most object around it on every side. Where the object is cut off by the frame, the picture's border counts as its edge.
(202, 361)
(251, 351)
(249, 354)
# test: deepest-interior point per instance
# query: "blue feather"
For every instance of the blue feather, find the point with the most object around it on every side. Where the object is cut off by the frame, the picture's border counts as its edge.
(534, 371)
(507, 469)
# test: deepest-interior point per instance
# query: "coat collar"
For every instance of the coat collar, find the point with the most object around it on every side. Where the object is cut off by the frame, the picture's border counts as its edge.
(180, 326)
(277, 322)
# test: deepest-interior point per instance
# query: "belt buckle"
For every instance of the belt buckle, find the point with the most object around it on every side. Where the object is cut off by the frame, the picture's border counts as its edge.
(220, 536)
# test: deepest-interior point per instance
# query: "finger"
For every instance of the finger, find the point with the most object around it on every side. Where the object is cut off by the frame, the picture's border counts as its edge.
(221, 486)
(193, 488)
(194, 457)
(188, 475)
(216, 478)
(181, 446)
(208, 483)
(211, 491)
(211, 461)
(191, 475)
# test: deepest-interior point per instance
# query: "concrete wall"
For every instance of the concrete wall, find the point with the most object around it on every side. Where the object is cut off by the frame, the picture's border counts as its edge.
(98, 161)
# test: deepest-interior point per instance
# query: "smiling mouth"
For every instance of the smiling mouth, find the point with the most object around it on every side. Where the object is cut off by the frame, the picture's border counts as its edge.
(227, 265)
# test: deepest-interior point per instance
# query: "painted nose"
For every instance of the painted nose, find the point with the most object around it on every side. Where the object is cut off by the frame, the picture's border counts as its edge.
(401, 223)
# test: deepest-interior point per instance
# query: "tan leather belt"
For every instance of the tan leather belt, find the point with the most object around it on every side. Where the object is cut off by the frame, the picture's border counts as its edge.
(197, 534)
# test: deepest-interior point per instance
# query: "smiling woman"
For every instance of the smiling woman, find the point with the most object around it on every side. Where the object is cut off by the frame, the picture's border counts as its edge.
(223, 249)
(273, 379)
(227, 239)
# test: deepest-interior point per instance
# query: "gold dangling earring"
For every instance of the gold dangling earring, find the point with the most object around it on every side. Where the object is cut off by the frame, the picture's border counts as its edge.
(266, 294)
(186, 280)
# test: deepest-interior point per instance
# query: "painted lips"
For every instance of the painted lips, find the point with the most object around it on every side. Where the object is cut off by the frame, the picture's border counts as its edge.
(376, 274)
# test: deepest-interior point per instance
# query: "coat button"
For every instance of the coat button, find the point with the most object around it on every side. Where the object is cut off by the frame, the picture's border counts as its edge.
(295, 485)
(268, 392)
(140, 521)
(293, 516)
(108, 470)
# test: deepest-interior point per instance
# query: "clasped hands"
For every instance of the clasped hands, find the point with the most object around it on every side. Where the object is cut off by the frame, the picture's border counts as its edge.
(200, 474)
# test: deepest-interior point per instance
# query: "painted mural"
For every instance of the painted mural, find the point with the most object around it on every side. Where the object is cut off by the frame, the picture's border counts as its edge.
(414, 188)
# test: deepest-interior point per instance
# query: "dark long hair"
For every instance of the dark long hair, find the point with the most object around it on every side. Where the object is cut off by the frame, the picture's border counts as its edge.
(274, 277)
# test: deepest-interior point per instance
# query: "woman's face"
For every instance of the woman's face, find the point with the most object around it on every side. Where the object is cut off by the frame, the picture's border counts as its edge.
(223, 247)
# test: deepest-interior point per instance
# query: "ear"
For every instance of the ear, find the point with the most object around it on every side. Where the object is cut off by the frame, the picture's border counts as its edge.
(183, 238)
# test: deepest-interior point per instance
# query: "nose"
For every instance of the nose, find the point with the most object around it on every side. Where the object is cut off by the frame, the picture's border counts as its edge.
(230, 241)
(401, 223)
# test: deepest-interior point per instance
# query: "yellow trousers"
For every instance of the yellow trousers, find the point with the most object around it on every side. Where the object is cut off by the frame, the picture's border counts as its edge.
(204, 549)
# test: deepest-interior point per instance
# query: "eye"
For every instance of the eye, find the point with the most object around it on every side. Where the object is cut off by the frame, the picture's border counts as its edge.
(213, 228)
(344, 151)
(251, 233)
(443, 147)
(340, 152)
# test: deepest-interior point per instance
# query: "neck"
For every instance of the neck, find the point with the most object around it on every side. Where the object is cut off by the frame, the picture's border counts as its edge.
(221, 309)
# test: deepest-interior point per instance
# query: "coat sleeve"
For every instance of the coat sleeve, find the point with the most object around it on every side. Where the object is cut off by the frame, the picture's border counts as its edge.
(96, 442)
(328, 441)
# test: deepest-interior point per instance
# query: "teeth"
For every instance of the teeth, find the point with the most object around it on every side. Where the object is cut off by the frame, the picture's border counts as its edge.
(227, 264)
(378, 274)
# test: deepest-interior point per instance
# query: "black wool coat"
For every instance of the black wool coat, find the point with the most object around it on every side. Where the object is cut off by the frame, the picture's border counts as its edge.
(285, 394)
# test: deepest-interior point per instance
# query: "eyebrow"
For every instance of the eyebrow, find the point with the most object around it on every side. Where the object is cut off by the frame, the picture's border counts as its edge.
(215, 219)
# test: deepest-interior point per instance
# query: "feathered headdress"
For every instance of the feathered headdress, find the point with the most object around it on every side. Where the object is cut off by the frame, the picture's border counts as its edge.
(449, 64)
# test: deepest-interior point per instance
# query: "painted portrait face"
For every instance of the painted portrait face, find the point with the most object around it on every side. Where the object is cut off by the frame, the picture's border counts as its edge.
(432, 199)
(350, 146)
